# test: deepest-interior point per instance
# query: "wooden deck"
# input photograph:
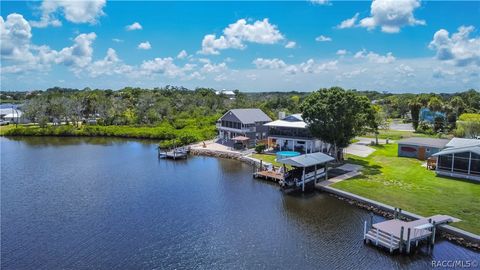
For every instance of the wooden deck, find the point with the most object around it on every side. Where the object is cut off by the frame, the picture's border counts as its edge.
(269, 175)
(398, 234)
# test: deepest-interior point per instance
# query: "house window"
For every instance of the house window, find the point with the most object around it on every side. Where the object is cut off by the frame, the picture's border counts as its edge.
(460, 163)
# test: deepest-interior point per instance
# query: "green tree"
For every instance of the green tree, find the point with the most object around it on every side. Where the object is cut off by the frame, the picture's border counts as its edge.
(336, 116)
(415, 106)
(376, 120)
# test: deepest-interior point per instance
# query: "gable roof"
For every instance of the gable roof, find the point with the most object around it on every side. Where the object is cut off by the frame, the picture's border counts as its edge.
(430, 142)
(307, 160)
(249, 116)
(292, 121)
(454, 150)
(462, 142)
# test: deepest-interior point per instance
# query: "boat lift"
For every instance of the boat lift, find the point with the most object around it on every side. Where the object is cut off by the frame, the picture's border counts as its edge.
(306, 168)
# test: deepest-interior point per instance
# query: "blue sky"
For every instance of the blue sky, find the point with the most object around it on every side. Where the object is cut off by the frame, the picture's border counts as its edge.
(384, 45)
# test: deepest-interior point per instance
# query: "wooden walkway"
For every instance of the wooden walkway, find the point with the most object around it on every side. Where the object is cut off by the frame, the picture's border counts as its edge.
(269, 175)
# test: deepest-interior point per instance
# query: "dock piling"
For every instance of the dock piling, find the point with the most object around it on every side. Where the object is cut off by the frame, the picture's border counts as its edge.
(408, 241)
(400, 245)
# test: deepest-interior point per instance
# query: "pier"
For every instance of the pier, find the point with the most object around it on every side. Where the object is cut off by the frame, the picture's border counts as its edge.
(401, 235)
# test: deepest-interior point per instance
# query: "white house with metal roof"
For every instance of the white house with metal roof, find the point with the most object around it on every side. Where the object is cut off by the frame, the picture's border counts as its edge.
(291, 133)
(243, 123)
(460, 159)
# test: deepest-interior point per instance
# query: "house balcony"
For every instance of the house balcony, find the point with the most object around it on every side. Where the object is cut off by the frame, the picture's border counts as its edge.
(242, 130)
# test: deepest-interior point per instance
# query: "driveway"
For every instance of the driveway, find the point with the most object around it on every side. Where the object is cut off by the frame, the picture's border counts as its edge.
(362, 147)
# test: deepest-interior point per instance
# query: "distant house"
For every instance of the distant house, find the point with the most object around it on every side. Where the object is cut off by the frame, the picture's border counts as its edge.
(460, 159)
(230, 94)
(420, 148)
(243, 123)
(12, 116)
(291, 133)
(429, 116)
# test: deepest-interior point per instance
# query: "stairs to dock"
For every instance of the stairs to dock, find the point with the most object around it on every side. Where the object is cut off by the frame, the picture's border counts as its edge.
(382, 238)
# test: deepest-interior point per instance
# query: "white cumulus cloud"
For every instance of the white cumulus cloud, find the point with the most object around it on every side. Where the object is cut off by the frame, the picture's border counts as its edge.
(134, 26)
(391, 15)
(182, 54)
(458, 48)
(348, 23)
(74, 11)
(275, 63)
(144, 46)
(290, 45)
(375, 57)
(323, 38)
(236, 34)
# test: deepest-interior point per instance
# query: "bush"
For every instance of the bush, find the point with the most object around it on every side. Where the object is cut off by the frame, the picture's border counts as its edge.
(259, 148)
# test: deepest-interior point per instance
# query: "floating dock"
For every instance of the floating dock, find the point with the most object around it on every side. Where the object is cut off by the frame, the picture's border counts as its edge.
(400, 235)
(176, 153)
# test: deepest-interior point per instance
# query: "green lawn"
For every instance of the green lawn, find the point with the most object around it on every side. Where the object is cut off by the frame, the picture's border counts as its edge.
(268, 158)
(404, 183)
(398, 134)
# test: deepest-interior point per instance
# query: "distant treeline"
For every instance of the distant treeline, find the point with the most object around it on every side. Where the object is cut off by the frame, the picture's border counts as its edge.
(170, 109)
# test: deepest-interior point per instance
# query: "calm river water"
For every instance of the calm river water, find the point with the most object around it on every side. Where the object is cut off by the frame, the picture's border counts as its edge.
(69, 203)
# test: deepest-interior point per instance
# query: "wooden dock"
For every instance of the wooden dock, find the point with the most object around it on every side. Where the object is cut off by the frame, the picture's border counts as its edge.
(269, 175)
(400, 235)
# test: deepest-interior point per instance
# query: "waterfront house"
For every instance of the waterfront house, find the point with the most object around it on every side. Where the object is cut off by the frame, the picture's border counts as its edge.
(245, 123)
(291, 133)
(460, 159)
(420, 148)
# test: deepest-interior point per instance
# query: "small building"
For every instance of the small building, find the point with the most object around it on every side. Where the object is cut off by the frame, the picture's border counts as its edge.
(420, 148)
(291, 133)
(461, 161)
(243, 122)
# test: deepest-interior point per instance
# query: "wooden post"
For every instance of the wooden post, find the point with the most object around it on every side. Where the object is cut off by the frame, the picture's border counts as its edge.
(395, 213)
(326, 171)
(376, 237)
(391, 243)
(365, 231)
(303, 180)
(401, 239)
(434, 228)
(315, 175)
(371, 219)
(408, 241)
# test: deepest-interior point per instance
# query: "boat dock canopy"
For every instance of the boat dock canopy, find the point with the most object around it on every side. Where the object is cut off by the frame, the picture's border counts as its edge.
(307, 160)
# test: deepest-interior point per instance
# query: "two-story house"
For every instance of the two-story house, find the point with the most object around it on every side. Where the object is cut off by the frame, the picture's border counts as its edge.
(291, 134)
(243, 122)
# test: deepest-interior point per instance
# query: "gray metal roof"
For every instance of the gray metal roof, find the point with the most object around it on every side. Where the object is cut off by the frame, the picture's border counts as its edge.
(430, 142)
(454, 150)
(462, 142)
(307, 160)
(250, 116)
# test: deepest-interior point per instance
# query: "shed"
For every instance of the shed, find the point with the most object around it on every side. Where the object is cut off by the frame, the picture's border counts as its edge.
(420, 148)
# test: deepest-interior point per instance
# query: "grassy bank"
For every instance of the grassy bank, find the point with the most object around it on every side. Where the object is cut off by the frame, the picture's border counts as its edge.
(404, 183)
(398, 134)
(164, 132)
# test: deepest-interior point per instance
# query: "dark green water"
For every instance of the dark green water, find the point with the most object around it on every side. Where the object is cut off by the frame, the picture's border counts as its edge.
(69, 203)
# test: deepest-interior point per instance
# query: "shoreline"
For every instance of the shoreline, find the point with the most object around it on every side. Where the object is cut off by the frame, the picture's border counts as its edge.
(456, 235)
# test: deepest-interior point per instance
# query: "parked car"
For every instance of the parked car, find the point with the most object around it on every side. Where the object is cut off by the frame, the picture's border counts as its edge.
(4, 123)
